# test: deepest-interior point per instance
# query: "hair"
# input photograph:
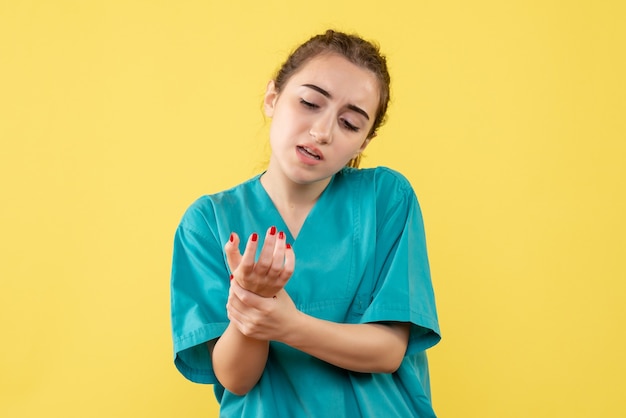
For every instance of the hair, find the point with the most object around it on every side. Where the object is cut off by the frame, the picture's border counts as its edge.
(355, 49)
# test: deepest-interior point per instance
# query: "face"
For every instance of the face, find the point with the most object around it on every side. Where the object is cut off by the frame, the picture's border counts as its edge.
(321, 118)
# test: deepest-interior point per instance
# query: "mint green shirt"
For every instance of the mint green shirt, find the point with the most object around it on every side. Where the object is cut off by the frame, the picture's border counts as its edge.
(360, 258)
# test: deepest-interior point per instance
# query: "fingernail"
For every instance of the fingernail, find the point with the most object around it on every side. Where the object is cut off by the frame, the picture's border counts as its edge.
(232, 238)
(231, 277)
(288, 246)
(254, 237)
(281, 235)
(272, 230)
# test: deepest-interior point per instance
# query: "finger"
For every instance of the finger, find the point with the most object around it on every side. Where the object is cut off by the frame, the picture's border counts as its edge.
(247, 260)
(278, 257)
(290, 264)
(235, 291)
(244, 297)
(249, 301)
(264, 263)
(231, 248)
(235, 305)
(234, 316)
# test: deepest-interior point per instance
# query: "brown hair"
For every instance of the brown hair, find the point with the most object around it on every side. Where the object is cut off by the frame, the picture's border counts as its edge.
(355, 49)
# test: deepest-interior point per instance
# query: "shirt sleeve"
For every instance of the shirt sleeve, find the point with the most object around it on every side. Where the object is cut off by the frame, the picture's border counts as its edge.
(199, 290)
(403, 290)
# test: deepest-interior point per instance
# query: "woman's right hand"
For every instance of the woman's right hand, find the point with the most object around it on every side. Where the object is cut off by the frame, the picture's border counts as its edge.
(269, 274)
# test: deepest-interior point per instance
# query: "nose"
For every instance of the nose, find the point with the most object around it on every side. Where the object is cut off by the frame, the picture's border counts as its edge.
(321, 130)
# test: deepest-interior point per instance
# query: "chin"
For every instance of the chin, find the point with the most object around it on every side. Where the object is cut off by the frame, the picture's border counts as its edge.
(304, 180)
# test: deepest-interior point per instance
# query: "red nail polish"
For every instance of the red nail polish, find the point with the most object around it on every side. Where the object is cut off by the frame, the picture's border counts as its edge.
(281, 235)
(231, 277)
(273, 230)
(254, 237)
(288, 246)
(232, 238)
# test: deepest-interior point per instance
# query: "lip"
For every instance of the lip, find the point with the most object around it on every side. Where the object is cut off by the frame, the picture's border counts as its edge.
(307, 153)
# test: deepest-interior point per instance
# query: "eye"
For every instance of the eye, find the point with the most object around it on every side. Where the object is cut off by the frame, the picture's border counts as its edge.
(349, 126)
(308, 104)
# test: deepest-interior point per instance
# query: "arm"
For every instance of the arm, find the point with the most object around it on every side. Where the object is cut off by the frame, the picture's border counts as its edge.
(238, 360)
(368, 348)
(255, 320)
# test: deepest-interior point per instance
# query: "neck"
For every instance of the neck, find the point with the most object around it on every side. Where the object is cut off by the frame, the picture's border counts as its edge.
(288, 194)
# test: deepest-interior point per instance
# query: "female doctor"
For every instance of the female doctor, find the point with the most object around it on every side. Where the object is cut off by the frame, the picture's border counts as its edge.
(305, 291)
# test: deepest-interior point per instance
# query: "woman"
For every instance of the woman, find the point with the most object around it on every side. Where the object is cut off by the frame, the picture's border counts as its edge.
(330, 311)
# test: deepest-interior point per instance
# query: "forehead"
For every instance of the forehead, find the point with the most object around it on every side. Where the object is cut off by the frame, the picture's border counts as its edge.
(341, 78)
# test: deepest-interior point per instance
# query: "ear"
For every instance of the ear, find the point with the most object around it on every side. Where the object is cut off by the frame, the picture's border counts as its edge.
(366, 143)
(269, 101)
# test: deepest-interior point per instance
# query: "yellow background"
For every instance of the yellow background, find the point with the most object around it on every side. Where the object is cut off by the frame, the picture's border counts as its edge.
(508, 117)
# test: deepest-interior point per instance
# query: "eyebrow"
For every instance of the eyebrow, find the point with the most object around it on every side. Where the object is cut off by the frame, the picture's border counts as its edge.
(329, 96)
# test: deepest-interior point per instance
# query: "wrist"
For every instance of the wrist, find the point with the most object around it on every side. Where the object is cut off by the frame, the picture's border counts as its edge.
(239, 337)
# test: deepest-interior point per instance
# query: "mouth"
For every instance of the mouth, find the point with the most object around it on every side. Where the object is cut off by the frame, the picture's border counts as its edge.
(309, 152)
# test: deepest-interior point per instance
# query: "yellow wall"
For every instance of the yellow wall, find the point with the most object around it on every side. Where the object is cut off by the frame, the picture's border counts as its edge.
(508, 118)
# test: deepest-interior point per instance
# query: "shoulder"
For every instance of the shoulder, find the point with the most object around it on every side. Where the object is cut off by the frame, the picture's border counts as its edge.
(385, 182)
(202, 211)
(389, 190)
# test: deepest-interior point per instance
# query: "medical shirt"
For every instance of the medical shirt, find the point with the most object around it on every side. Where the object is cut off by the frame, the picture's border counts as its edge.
(360, 258)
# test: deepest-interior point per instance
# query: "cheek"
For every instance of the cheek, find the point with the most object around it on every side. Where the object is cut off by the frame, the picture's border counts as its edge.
(290, 120)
